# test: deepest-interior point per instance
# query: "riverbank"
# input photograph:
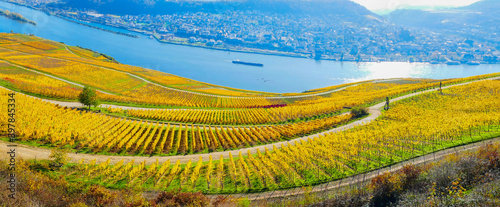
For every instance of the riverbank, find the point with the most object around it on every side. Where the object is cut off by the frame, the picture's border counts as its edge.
(94, 27)
(72, 20)
(16, 16)
(138, 33)
(250, 51)
(260, 51)
(244, 49)
(279, 74)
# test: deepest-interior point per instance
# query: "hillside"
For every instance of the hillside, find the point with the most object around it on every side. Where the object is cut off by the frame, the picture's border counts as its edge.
(346, 8)
(480, 17)
(485, 5)
(228, 146)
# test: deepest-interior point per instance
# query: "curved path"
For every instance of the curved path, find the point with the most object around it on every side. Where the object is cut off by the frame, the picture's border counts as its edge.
(29, 152)
(78, 104)
(51, 76)
(162, 86)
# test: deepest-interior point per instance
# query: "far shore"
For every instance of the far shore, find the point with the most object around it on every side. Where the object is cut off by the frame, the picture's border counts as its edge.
(148, 34)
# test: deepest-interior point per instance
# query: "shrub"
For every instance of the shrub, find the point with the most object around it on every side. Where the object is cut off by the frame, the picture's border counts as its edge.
(164, 197)
(470, 170)
(410, 174)
(491, 155)
(181, 199)
(58, 158)
(220, 200)
(386, 189)
(359, 111)
(442, 177)
(99, 196)
(191, 199)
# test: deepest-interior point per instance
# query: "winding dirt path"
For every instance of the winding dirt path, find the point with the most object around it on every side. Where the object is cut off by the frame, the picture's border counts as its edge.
(51, 76)
(78, 104)
(29, 152)
(156, 84)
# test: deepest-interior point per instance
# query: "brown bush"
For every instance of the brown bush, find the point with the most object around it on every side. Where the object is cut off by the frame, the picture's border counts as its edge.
(386, 189)
(99, 196)
(490, 153)
(181, 199)
(410, 174)
(220, 200)
(191, 199)
(164, 197)
(36, 189)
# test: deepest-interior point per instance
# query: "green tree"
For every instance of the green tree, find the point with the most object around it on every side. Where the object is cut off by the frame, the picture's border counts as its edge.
(58, 158)
(88, 97)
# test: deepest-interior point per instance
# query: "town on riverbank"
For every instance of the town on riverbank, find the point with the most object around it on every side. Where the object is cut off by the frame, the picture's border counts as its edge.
(338, 38)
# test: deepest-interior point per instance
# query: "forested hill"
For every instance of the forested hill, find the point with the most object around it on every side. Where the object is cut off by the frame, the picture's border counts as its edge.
(485, 6)
(345, 8)
(483, 15)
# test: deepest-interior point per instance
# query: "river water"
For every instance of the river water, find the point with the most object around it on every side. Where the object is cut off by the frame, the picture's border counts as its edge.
(279, 74)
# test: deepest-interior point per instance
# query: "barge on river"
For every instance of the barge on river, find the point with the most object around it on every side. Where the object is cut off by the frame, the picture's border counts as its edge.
(248, 63)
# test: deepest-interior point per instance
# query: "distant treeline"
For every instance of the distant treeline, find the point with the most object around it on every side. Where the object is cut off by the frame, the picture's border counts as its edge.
(16, 16)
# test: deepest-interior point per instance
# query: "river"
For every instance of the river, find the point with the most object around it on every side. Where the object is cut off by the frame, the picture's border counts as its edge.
(279, 74)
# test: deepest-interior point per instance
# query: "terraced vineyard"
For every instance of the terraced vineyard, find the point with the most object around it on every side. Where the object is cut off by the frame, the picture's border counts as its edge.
(413, 127)
(101, 133)
(303, 108)
(34, 83)
(23, 45)
(205, 120)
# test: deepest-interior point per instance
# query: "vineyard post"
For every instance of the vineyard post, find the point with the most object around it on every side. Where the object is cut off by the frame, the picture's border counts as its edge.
(354, 176)
(461, 140)
(326, 187)
(440, 89)
(479, 131)
(350, 182)
(390, 167)
(401, 146)
(412, 148)
(423, 156)
(364, 176)
(456, 149)
(256, 199)
(341, 179)
(433, 146)
(359, 181)
(271, 196)
(442, 140)
(470, 135)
